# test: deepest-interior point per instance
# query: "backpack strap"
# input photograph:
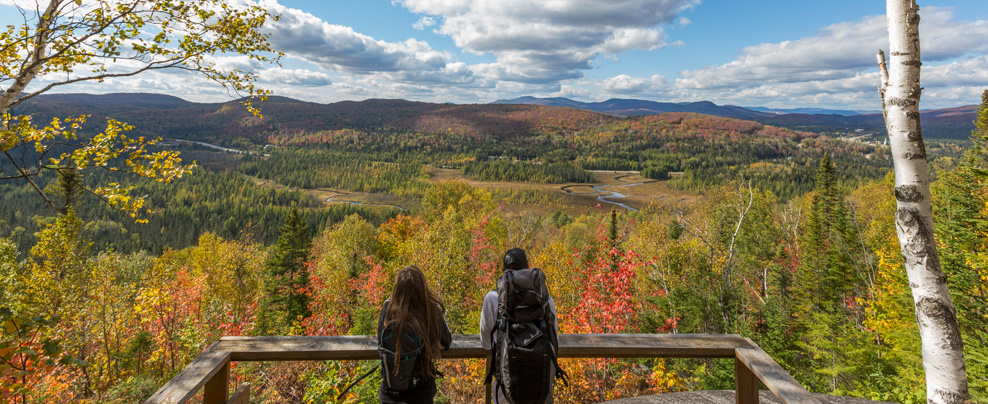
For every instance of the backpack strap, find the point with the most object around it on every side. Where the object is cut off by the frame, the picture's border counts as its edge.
(491, 367)
(503, 392)
(347, 389)
(560, 373)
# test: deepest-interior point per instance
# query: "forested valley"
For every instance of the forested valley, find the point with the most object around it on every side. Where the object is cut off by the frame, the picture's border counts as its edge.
(789, 241)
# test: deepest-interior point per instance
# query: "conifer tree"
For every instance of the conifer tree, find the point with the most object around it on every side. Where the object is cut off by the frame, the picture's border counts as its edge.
(287, 282)
(613, 241)
(977, 157)
(825, 284)
(68, 189)
(828, 274)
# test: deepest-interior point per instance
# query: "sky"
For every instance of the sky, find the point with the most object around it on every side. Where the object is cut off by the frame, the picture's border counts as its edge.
(772, 53)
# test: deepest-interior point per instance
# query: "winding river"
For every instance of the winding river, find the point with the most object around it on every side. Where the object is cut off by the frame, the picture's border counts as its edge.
(614, 194)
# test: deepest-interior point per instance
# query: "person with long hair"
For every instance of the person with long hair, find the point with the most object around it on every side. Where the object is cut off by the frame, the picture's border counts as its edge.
(414, 312)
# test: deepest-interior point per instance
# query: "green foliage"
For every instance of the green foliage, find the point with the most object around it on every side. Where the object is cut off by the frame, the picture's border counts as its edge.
(224, 202)
(287, 276)
(832, 248)
(961, 225)
(10, 275)
(977, 157)
(304, 168)
(501, 170)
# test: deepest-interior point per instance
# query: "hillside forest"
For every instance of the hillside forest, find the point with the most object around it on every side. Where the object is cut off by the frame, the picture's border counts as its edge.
(781, 236)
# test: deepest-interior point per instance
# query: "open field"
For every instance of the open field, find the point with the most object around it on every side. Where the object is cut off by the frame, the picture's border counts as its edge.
(330, 196)
(521, 197)
(582, 198)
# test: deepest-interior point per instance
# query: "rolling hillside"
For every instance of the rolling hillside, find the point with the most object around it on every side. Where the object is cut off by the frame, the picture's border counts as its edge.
(949, 123)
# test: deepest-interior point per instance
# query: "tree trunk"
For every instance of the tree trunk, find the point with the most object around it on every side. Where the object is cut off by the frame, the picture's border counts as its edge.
(32, 65)
(943, 350)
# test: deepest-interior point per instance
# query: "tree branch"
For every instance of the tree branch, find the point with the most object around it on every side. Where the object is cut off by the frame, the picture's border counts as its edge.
(164, 64)
(27, 178)
(742, 212)
(883, 67)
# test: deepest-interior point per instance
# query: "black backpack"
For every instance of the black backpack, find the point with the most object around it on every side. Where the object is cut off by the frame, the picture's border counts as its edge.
(397, 375)
(404, 373)
(524, 354)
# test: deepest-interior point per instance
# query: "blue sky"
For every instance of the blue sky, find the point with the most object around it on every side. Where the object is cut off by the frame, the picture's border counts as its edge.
(775, 53)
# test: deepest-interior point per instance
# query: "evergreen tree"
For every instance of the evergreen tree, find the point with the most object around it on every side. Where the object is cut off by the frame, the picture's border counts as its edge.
(828, 275)
(613, 241)
(826, 284)
(977, 158)
(287, 281)
(68, 188)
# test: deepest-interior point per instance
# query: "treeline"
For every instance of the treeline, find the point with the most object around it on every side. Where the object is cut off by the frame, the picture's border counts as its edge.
(502, 170)
(225, 203)
(302, 168)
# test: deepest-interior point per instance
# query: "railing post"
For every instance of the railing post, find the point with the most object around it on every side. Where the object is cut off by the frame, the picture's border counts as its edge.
(745, 383)
(487, 386)
(217, 388)
(241, 396)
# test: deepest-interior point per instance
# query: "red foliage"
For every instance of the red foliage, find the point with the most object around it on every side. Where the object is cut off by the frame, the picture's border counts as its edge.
(371, 286)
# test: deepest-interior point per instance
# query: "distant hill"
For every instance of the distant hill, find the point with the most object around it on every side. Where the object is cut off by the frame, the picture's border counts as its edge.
(165, 116)
(949, 123)
(162, 115)
(820, 111)
(629, 107)
(111, 102)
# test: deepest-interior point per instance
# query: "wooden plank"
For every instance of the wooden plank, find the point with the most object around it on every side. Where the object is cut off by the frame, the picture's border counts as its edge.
(217, 388)
(362, 347)
(650, 345)
(745, 384)
(787, 389)
(241, 396)
(189, 380)
(349, 347)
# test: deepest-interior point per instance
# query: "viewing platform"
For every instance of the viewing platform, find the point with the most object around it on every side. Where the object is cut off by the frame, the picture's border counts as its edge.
(210, 371)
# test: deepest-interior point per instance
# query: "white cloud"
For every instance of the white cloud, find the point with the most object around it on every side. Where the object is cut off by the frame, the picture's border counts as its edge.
(294, 77)
(839, 51)
(627, 85)
(837, 67)
(552, 40)
(340, 48)
(424, 22)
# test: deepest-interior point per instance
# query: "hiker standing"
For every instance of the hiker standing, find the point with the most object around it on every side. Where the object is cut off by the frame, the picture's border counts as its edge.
(518, 324)
(411, 331)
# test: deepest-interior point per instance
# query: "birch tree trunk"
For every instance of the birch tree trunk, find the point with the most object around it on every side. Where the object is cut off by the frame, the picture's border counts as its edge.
(943, 350)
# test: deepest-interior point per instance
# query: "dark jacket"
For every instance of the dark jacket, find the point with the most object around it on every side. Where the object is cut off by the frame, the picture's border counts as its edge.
(425, 390)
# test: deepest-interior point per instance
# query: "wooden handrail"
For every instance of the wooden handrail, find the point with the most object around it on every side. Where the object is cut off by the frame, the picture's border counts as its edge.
(211, 368)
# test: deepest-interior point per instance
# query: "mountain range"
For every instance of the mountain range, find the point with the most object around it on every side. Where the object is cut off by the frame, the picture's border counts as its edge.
(948, 123)
(169, 116)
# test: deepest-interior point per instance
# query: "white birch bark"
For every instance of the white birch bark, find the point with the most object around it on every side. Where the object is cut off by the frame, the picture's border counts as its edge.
(943, 350)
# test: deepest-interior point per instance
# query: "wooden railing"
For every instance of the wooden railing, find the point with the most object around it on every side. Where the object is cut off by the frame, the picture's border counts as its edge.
(211, 369)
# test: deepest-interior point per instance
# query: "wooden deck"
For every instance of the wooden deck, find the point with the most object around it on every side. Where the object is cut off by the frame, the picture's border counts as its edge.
(211, 369)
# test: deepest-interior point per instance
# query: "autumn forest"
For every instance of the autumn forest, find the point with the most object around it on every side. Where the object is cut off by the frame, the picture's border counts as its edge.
(781, 236)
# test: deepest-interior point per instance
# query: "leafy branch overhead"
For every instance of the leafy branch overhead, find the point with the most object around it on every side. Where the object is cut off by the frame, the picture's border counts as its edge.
(72, 41)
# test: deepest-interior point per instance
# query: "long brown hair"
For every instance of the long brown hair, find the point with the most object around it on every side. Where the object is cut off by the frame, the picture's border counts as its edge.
(414, 306)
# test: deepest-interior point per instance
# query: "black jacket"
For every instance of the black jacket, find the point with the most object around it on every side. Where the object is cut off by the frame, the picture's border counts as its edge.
(425, 391)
